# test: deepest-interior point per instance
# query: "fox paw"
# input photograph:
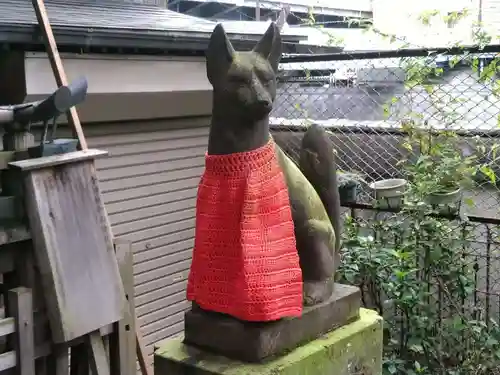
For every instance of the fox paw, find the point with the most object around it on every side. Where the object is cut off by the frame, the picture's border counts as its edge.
(315, 292)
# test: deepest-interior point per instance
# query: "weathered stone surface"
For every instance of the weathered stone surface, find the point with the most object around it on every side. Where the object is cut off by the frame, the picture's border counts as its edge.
(253, 342)
(354, 349)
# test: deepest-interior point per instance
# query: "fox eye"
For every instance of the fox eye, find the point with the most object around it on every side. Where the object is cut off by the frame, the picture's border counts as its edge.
(265, 81)
(264, 78)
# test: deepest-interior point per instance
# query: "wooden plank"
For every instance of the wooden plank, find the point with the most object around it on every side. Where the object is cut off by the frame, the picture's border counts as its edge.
(7, 326)
(141, 354)
(55, 160)
(29, 276)
(74, 249)
(21, 304)
(13, 233)
(107, 330)
(7, 361)
(126, 341)
(117, 341)
(18, 141)
(126, 327)
(56, 64)
(98, 361)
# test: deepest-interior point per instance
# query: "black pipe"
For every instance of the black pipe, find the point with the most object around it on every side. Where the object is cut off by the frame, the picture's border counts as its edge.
(403, 52)
(356, 129)
(475, 219)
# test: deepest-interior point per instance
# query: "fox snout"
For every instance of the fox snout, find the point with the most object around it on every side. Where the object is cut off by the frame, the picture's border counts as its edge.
(265, 104)
(261, 98)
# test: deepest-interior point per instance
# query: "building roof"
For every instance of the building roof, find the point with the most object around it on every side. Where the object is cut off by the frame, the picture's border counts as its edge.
(87, 24)
(353, 8)
(259, 28)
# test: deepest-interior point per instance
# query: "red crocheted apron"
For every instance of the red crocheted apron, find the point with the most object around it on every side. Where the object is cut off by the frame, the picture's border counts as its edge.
(245, 261)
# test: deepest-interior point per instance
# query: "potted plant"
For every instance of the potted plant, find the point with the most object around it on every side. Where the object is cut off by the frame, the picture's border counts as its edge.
(437, 167)
(348, 184)
(389, 193)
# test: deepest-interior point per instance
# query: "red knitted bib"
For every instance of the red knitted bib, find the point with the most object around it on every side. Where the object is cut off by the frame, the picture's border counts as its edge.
(245, 261)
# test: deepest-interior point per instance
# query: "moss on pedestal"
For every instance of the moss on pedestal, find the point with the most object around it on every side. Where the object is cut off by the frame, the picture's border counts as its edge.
(355, 349)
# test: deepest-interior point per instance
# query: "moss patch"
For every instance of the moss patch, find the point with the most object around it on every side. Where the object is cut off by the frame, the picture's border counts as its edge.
(355, 349)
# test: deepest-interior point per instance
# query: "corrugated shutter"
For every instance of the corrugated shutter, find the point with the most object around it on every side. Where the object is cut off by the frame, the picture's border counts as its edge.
(149, 183)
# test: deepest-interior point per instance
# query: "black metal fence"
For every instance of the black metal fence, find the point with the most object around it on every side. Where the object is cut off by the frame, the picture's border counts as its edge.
(365, 101)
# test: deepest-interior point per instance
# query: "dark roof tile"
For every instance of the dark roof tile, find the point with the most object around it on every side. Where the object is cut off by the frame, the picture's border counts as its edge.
(100, 24)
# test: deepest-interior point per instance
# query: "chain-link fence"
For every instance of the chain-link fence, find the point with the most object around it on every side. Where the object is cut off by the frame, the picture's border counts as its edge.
(365, 101)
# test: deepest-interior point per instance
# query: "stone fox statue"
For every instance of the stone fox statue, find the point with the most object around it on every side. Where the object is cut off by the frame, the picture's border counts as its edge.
(265, 242)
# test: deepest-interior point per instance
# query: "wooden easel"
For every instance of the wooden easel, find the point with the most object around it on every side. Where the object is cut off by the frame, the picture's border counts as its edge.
(98, 359)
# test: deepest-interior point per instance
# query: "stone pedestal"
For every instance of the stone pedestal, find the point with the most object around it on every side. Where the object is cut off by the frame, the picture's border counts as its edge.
(354, 349)
(254, 342)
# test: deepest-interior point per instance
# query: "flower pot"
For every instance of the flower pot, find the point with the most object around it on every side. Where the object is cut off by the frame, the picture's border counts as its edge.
(348, 193)
(446, 202)
(389, 193)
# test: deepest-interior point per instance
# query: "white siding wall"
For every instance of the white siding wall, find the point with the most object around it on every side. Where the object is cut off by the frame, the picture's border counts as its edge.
(491, 17)
(403, 19)
(149, 183)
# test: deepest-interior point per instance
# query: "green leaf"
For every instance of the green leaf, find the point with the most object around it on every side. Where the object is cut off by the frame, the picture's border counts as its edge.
(497, 354)
(488, 172)
(491, 342)
(417, 366)
(469, 202)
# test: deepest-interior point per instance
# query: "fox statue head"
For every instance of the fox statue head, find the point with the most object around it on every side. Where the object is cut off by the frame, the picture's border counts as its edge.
(244, 89)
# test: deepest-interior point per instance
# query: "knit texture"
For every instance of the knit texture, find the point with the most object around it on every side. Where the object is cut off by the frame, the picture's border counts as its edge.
(245, 260)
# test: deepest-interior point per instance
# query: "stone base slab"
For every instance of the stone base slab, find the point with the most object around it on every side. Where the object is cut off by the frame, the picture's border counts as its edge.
(354, 349)
(253, 342)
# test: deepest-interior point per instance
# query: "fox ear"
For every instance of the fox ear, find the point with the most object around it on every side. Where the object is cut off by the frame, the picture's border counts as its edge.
(220, 54)
(270, 47)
